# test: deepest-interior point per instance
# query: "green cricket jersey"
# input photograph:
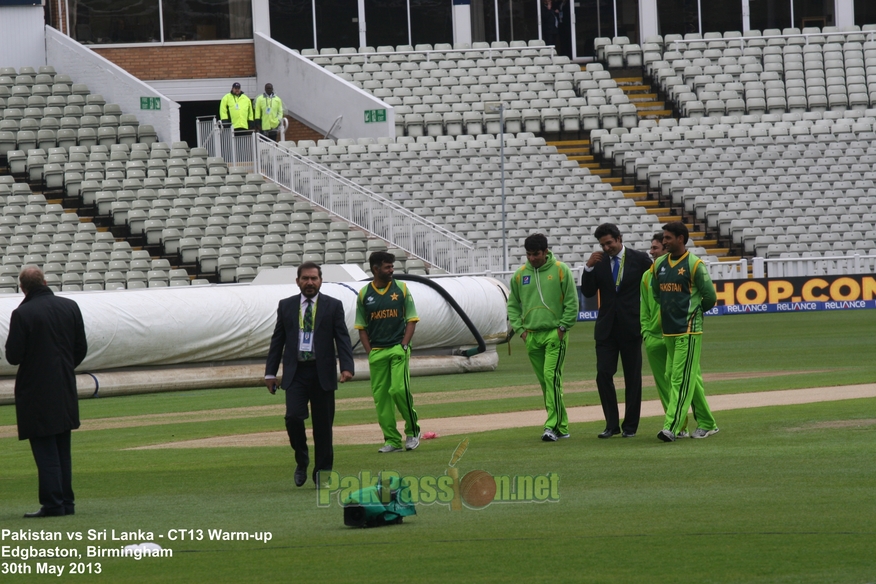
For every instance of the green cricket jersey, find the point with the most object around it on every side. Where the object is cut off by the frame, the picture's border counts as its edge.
(385, 313)
(649, 310)
(684, 290)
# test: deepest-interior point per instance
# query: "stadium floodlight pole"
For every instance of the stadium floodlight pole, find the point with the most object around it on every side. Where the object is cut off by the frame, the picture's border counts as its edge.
(493, 107)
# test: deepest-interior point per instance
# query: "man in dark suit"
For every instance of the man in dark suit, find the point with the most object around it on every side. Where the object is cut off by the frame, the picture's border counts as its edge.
(47, 341)
(615, 273)
(310, 325)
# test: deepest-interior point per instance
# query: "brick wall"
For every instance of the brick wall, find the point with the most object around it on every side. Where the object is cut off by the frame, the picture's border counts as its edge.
(58, 15)
(298, 131)
(184, 62)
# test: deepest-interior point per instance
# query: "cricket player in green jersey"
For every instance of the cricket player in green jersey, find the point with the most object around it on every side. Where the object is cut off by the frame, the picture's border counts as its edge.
(386, 318)
(681, 285)
(542, 307)
(652, 331)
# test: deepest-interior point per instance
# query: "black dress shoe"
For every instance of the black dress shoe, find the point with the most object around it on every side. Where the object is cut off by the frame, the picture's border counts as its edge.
(628, 434)
(300, 476)
(70, 510)
(43, 512)
(608, 433)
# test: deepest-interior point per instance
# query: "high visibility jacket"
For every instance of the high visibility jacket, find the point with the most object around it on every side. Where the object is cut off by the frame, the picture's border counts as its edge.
(269, 111)
(237, 109)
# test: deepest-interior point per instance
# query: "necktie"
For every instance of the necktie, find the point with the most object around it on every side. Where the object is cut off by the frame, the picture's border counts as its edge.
(308, 327)
(615, 266)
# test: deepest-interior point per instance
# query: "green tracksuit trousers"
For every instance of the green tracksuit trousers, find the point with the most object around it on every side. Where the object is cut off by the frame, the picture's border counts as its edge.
(547, 353)
(655, 348)
(685, 384)
(391, 387)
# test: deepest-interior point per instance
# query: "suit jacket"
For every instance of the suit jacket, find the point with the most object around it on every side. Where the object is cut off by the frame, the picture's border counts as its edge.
(618, 309)
(47, 341)
(329, 331)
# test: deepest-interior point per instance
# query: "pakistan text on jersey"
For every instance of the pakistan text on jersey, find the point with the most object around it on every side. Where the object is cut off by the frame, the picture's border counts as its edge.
(388, 313)
(671, 287)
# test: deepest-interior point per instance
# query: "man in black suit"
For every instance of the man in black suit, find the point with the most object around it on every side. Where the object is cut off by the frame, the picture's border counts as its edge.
(47, 341)
(310, 325)
(616, 273)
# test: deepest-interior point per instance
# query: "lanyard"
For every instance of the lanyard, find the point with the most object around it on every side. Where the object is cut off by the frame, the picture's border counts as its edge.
(620, 271)
(314, 300)
(269, 101)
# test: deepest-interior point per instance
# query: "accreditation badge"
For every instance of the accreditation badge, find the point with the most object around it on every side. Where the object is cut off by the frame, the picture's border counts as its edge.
(305, 341)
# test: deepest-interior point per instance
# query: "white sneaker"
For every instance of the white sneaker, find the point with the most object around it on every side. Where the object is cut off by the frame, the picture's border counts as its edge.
(562, 436)
(666, 436)
(412, 442)
(700, 433)
(390, 448)
(549, 435)
(683, 434)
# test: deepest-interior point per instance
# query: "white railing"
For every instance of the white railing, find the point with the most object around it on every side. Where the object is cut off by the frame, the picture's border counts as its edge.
(375, 214)
(818, 266)
(236, 148)
(737, 270)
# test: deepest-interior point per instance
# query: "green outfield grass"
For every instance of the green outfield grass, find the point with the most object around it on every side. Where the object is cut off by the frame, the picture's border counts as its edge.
(781, 494)
(815, 349)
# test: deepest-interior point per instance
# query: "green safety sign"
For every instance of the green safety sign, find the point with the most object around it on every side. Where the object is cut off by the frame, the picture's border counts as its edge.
(150, 103)
(378, 115)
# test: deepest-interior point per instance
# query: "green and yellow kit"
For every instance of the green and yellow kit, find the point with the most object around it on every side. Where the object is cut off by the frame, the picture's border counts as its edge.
(384, 314)
(684, 291)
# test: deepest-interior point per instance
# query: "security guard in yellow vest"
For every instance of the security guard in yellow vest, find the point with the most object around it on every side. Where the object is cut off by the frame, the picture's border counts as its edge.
(236, 109)
(269, 113)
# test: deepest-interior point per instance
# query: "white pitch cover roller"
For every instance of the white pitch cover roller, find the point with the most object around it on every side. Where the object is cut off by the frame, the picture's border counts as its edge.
(167, 330)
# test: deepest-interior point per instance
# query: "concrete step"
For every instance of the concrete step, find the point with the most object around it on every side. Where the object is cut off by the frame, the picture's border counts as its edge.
(729, 258)
(654, 114)
(603, 173)
(625, 81)
(628, 89)
(569, 143)
(570, 147)
(642, 97)
(580, 157)
(650, 105)
(719, 252)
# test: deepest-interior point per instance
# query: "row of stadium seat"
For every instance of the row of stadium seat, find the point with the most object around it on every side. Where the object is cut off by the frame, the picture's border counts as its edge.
(427, 52)
(766, 77)
(170, 198)
(457, 183)
(67, 138)
(809, 181)
(78, 256)
(447, 96)
(753, 38)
